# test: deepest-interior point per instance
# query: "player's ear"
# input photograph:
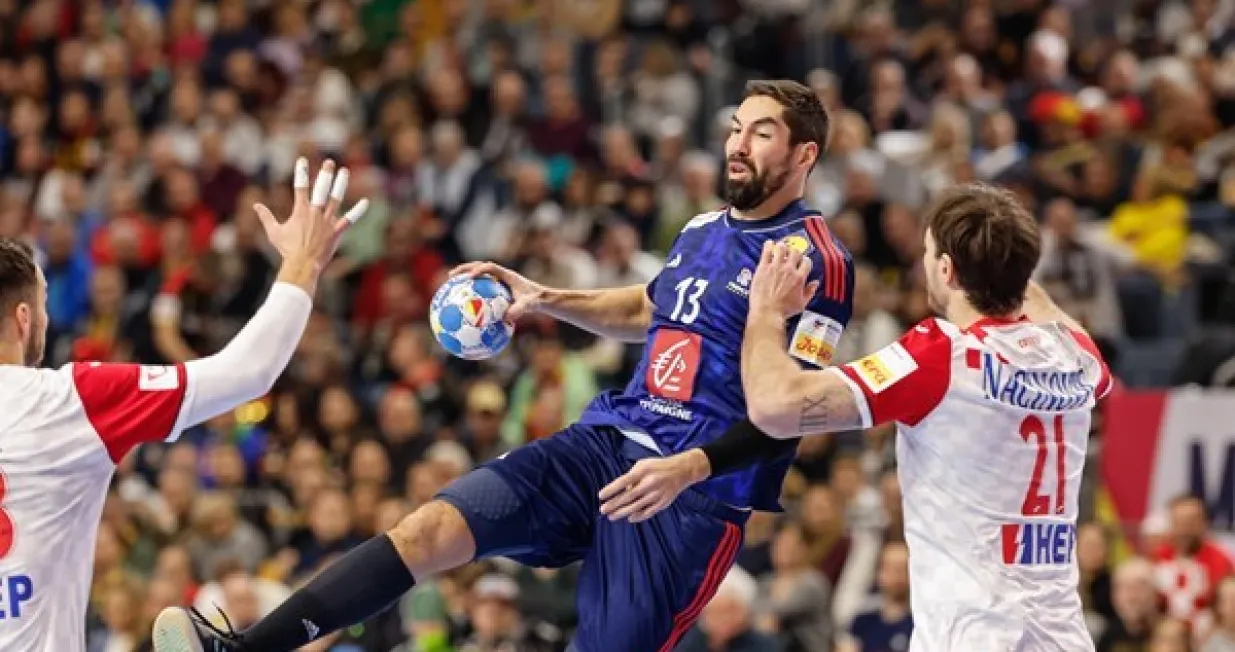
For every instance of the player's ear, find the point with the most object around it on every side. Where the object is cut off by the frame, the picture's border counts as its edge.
(24, 317)
(808, 154)
(947, 270)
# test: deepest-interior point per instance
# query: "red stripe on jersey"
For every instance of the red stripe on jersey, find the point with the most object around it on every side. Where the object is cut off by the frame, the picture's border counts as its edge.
(130, 404)
(836, 262)
(718, 567)
(826, 275)
(841, 270)
(833, 262)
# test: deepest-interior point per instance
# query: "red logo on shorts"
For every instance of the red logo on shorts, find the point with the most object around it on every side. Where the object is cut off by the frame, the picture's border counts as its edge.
(673, 364)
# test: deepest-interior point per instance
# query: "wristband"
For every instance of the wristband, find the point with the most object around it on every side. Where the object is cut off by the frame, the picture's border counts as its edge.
(742, 445)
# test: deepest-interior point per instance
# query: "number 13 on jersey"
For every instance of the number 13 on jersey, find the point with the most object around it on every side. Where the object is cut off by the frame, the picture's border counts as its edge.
(1033, 431)
(689, 291)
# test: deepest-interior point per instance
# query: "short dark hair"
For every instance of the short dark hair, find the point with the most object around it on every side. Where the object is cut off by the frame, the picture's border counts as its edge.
(803, 112)
(993, 241)
(19, 276)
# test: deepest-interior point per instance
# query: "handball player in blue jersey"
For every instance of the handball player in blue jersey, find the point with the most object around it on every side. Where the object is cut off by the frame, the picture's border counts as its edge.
(642, 584)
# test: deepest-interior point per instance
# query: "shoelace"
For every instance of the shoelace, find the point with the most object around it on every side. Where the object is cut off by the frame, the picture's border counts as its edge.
(229, 638)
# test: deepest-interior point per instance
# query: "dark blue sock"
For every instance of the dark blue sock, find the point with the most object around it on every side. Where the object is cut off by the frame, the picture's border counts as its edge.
(361, 584)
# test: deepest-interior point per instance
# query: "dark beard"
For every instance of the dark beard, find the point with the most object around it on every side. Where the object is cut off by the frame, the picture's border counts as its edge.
(746, 195)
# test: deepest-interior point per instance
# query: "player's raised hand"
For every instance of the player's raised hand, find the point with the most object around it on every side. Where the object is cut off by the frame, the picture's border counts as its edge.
(780, 282)
(528, 294)
(312, 231)
(651, 485)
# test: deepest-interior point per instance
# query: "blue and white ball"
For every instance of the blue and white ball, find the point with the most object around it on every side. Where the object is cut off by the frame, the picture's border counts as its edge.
(466, 315)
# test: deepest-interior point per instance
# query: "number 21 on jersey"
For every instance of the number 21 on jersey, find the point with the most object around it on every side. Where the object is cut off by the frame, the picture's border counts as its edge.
(1033, 431)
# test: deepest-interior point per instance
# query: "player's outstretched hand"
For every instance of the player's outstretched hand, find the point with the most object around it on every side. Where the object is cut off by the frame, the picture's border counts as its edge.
(651, 485)
(780, 283)
(312, 231)
(528, 294)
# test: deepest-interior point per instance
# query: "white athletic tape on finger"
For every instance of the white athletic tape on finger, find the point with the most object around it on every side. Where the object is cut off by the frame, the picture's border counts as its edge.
(340, 185)
(321, 188)
(300, 177)
(357, 211)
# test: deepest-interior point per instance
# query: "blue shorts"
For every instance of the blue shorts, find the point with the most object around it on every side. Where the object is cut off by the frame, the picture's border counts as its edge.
(642, 585)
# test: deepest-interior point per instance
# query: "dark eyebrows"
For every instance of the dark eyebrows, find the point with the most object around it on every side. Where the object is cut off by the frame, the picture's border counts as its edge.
(767, 120)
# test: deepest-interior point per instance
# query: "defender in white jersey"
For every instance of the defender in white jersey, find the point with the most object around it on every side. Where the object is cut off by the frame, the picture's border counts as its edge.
(992, 403)
(63, 431)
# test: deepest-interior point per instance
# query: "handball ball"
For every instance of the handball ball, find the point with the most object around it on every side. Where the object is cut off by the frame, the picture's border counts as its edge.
(466, 315)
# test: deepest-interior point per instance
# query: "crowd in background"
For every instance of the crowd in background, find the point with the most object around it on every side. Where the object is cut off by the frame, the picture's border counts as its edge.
(571, 139)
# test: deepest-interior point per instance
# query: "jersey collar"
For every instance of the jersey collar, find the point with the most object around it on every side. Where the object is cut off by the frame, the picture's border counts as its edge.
(796, 210)
(979, 327)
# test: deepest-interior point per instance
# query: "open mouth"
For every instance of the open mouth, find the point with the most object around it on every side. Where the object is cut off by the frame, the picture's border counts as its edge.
(738, 168)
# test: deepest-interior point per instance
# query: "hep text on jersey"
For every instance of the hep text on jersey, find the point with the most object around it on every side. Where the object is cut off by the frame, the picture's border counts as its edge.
(1038, 543)
(15, 591)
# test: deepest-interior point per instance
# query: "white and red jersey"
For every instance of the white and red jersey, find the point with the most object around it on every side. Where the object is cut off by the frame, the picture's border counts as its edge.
(61, 434)
(992, 427)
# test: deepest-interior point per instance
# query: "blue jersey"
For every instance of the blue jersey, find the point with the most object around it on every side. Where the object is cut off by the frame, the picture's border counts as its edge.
(687, 389)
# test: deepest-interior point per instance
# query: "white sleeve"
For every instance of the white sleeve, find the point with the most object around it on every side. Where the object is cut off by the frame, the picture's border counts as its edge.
(249, 365)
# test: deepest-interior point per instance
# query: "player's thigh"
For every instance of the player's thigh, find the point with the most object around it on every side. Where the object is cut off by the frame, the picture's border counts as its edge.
(537, 504)
(643, 585)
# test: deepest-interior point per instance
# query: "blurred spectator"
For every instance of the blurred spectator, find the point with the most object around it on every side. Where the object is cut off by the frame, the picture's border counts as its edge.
(123, 626)
(1135, 602)
(1092, 558)
(497, 623)
(1189, 566)
(482, 427)
(329, 532)
(794, 597)
(824, 526)
(726, 623)
(549, 594)
(551, 393)
(1153, 223)
(889, 625)
(695, 196)
(220, 535)
(1079, 272)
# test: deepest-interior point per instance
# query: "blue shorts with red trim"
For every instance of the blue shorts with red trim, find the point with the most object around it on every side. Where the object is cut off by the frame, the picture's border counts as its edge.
(642, 585)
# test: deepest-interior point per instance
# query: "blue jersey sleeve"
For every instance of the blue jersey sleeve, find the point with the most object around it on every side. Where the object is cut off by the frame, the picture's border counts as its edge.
(817, 331)
(674, 258)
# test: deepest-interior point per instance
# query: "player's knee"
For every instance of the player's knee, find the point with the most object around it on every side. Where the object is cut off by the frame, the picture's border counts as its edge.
(433, 539)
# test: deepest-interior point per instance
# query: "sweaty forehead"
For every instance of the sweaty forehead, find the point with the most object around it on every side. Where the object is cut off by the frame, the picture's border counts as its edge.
(758, 108)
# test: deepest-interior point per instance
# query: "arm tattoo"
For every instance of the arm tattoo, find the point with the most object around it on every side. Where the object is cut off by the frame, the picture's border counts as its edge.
(816, 414)
(830, 408)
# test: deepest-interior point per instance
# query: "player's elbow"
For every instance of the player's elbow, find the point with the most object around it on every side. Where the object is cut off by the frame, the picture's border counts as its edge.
(773, 413)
